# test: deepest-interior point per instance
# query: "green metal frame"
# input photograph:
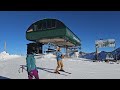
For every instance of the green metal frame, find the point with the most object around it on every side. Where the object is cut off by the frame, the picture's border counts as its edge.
(63, 32)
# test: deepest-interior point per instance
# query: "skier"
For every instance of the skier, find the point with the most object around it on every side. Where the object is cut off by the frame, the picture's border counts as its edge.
(59, 57)
(31, 63)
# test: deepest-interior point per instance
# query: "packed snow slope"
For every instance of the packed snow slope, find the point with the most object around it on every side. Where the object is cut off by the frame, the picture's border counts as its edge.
(79, 67)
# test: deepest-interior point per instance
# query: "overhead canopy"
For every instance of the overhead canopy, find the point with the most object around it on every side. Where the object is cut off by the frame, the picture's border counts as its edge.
(52, 30)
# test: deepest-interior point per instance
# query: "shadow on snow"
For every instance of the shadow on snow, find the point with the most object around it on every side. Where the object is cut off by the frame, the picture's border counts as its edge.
(1, 77)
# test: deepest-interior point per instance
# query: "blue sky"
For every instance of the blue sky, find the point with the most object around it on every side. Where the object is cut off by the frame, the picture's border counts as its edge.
(87, 25)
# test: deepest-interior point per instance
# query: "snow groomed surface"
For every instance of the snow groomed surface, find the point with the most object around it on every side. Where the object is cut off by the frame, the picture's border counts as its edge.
(79, 67)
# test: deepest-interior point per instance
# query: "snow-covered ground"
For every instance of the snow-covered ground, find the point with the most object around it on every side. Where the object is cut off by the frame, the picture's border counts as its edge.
(4, 56)
(79, 67)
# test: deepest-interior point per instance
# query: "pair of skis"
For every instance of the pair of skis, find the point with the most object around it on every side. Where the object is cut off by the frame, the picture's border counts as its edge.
(63, 71)
(66, 72)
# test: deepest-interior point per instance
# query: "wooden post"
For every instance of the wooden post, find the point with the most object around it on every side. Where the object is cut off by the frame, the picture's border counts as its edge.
(96, 53)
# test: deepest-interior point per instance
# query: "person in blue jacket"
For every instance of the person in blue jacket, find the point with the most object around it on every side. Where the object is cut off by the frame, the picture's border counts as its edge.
(31, 64)
(59, 57)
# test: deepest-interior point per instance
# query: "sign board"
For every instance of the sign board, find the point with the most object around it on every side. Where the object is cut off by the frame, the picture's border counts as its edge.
(105, 43)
